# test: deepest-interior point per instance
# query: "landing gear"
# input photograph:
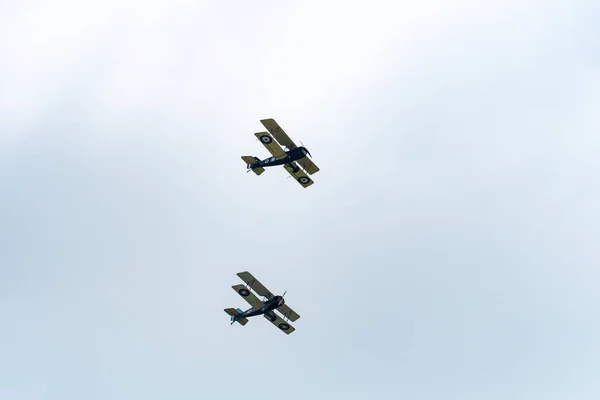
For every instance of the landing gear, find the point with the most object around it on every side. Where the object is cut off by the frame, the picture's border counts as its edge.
(271, 316)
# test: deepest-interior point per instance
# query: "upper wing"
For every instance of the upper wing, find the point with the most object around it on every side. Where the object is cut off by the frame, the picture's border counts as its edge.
(299, 175)
(248, 296)
(308, 165)
(278, 133)
(255, 285)
(270, 144)
(279, 323)
(288, 312)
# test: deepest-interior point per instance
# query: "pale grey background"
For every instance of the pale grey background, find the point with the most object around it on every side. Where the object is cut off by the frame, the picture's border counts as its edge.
(448, 249)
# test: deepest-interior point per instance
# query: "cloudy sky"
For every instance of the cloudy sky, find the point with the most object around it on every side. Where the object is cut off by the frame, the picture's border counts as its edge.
(448, 249)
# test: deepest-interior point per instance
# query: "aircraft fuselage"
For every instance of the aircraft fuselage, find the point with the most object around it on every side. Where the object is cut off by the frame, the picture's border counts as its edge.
(291, 156)
(267, 307)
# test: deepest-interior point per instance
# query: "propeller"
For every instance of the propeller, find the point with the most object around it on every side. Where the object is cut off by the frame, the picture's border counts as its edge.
(306, 149)
(281, 301)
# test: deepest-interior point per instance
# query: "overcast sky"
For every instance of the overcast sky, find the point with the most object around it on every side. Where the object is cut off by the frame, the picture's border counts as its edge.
(447, 250)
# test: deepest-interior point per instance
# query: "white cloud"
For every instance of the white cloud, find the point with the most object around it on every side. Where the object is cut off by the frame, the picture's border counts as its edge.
(446, 247)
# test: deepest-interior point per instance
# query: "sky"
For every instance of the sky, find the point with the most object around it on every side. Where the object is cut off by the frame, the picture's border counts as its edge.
(447, 250)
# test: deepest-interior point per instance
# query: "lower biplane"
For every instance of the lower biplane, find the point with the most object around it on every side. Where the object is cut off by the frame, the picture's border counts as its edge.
(267, 307)
(295, 159)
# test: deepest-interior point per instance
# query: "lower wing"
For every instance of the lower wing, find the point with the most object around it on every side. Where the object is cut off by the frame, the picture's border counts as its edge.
(308, 165)
(299, 175)
(276, 320)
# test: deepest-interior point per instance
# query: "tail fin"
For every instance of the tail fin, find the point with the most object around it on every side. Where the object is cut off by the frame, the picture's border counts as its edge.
(250, 161)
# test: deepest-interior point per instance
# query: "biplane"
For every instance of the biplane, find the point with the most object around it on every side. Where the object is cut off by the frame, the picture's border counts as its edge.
(295, 159)
(266, 307)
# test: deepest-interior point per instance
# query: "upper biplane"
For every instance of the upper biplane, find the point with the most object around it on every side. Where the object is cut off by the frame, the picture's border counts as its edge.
(265, 307)
(290, 158)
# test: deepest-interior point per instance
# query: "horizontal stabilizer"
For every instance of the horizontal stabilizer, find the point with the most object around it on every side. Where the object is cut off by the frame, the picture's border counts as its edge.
(249, 160)
(234, 313)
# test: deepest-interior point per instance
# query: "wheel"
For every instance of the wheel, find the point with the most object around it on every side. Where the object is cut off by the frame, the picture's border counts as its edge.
(272, 317)
(283, 326)
(304, 180)
(266, 139)
(244, 292)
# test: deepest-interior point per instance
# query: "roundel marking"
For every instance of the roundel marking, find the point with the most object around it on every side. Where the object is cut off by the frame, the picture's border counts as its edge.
(244, 292)
(283, 326)
(304, 180)
(266, 139)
